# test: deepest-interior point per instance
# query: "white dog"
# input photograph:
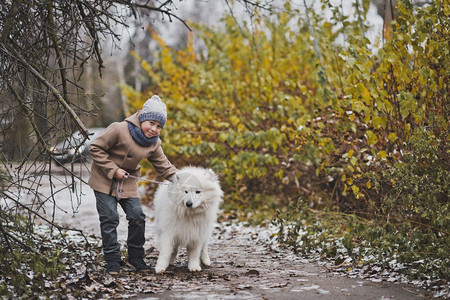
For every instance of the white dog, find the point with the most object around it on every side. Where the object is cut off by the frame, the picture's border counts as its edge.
(185, 213)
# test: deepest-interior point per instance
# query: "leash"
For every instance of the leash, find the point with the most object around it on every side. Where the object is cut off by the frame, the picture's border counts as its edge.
(119, 186)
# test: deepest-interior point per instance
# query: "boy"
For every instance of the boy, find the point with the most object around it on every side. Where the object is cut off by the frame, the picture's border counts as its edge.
(116, 155)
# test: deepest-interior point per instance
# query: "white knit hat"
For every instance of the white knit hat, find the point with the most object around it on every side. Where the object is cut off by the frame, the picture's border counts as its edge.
(154, 109)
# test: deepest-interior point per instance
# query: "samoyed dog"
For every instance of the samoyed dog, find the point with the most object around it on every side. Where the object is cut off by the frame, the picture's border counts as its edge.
(185, 213)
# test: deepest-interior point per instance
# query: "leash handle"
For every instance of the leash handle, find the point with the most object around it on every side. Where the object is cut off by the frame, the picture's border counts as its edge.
(119, 186)
(149, 180)
(119, 189)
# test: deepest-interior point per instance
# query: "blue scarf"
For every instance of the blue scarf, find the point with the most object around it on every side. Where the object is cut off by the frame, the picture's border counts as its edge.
(139, 137)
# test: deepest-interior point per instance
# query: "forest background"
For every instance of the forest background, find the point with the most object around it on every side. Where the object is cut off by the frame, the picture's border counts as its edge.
(339, 142)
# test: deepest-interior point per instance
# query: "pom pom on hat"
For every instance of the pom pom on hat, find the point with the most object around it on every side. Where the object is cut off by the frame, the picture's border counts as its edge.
(154, 109)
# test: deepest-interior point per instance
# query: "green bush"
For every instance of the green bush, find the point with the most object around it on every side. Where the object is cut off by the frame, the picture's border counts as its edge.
(417, 189)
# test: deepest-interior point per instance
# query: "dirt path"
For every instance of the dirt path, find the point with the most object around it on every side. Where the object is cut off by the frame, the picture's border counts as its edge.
(244, 266)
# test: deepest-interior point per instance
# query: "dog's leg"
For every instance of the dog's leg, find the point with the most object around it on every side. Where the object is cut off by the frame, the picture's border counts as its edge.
(173, 257)
(165, 252)
(205, 256)
(194, 251)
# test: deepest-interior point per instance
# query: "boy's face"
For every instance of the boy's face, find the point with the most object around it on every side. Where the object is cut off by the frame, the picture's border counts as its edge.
(151, 128)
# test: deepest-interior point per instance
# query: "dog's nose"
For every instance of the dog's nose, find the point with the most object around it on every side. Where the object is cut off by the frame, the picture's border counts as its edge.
(189, 204)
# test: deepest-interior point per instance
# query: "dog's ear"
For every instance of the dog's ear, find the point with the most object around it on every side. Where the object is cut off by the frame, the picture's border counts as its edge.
(210, 173)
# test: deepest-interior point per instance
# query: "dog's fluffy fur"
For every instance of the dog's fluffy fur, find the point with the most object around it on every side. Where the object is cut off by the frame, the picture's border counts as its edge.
(185, 213)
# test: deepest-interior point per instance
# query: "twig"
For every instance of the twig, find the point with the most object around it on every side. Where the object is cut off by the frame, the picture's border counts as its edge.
(5, 235)
(29, 116)
(158, 9)
(54, 91)
(60, 228)
(360, 18)
(62, 69)
(311, 31)
(400, 219)
(93, 32)
(20, 242)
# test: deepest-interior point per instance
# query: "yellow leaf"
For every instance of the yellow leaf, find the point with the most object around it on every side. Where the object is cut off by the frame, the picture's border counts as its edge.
(371, 137)
(303, 89)
(392, 137)
(355, 189)
(379, 122)
(240, 127)
(344, 192)
(350, 153)
(383, 154)
(234, 120)
(351, 117)
(368, 185)
(407, 131)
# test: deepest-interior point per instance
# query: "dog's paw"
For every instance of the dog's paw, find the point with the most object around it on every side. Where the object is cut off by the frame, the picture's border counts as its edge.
(159, 269)
(206, 261)
(194, 267)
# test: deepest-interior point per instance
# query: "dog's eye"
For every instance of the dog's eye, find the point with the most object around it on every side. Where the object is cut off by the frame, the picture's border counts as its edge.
(185, 192)
(197, 192)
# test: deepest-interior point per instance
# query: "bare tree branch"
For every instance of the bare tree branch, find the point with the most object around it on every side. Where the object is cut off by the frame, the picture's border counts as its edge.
(54, 91)
(45, 46)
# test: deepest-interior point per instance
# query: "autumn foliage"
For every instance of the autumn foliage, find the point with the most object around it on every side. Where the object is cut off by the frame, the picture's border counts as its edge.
(256, 105)
(338, 127)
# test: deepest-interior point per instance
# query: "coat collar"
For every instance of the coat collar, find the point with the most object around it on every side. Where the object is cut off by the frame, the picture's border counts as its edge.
(134, 119)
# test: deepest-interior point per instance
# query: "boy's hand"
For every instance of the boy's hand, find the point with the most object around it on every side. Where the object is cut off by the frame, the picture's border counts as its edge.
(121, 174)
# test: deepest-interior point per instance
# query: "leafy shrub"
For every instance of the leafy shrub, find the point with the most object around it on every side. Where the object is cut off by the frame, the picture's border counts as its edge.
(254, 105)
(417, 188)
(239, 107)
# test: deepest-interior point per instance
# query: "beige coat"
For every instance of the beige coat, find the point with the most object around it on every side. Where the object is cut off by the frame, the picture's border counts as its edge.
(115, 148)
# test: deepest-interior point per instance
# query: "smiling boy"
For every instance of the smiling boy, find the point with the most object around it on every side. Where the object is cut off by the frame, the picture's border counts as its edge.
(116, 155)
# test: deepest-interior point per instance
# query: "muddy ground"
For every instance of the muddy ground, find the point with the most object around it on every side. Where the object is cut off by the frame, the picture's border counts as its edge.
(245, 266)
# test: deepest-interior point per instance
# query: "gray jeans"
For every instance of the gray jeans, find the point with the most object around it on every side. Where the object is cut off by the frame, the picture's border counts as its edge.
(109, 220)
